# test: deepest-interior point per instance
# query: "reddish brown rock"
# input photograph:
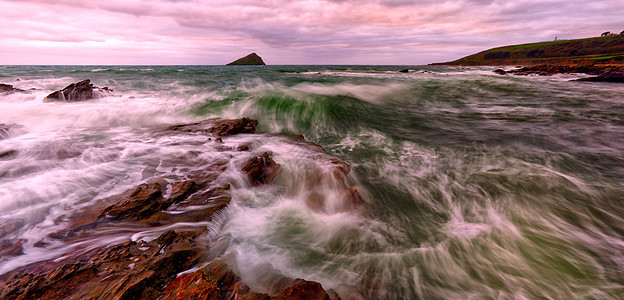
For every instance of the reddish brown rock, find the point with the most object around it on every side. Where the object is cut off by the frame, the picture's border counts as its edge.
(261, 169)
(132, 270)
(301, 289)
(219, 127)
(142, 202)
(214, 281)
(11, 247)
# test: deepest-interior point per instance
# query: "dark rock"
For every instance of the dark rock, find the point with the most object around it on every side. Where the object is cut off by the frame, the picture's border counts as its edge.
(8, 89)
(404, 71)
(80, 91)
(606, 77)
(251, 59)
(547, 70)
(219, 127)
(500, 72)
(261, 169)
(142, 202)
(4, 131)
(7, 153)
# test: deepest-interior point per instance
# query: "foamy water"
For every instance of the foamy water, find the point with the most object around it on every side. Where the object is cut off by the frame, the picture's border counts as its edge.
(475, 185)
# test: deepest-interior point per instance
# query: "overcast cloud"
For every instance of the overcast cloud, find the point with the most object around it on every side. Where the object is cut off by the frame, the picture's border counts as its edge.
(286, 31)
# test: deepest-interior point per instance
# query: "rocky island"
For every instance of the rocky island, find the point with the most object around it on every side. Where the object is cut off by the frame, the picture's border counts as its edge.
(251, 59)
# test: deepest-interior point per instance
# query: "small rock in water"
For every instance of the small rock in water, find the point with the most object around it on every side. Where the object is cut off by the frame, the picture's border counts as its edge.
(8, 89)
(404, 71)
(500, 72)
(261, 169)
(80, 91)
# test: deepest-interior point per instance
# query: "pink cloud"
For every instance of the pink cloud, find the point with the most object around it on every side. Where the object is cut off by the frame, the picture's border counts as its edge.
(285, 31)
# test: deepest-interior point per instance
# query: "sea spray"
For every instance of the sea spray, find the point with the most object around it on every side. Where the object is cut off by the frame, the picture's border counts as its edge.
(471, 184)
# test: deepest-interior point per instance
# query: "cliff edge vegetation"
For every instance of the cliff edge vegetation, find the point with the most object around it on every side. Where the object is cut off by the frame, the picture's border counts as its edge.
(598, 50)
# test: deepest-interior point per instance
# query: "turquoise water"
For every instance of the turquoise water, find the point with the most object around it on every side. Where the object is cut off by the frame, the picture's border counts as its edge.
(475, 185)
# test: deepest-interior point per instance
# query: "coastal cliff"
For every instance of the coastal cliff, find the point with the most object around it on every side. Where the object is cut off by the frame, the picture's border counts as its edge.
(597, 50)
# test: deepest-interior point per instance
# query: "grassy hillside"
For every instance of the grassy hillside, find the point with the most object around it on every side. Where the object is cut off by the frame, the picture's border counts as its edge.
(598, 50)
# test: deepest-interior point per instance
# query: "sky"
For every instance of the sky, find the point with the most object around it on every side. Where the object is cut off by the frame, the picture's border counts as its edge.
(215, 32)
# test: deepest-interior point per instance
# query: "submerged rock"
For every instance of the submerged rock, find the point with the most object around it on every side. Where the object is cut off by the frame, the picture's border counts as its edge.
(606, 77)
(80, 91)
(8, 89)
(261, 169)
(500, 72)
(219, 127)
(4, 131)
(251, 59)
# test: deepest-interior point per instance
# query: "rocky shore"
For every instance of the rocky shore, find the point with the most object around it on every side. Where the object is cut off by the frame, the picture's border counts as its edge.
(602, 73)
(179, 262)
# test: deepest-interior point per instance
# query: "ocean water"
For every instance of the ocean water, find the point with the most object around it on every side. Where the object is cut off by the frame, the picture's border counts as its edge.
(475, 185)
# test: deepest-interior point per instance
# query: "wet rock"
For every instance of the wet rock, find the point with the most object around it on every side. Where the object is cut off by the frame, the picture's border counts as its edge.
(8, 89)
(11, 247)
(181, 190)
(4, 131)
(132, 270)
(547, 70)
(606, 77)
(214, 281)
(7, 153)
(142, 202)
(500, 72)
(261, 169)
(218, 281)
(404, 71)
(219, 127)
(79, 91)
(301, 289)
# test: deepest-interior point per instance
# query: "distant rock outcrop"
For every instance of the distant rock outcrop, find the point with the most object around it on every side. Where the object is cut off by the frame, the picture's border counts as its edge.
(606, 77)
(251, 59)
(80, 91)
(8, 89)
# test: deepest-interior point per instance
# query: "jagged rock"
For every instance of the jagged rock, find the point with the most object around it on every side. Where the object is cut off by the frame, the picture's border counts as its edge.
(142, 202)
(261, 169)
(80, 91)
(218, 281)
(214, 281)
(500, 72)
(8, 89)
(606, 77)
(132, 270)
(219, 127)
(251, 59)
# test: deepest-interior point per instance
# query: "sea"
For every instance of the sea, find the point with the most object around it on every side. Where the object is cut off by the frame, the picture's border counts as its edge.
(474, 185)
